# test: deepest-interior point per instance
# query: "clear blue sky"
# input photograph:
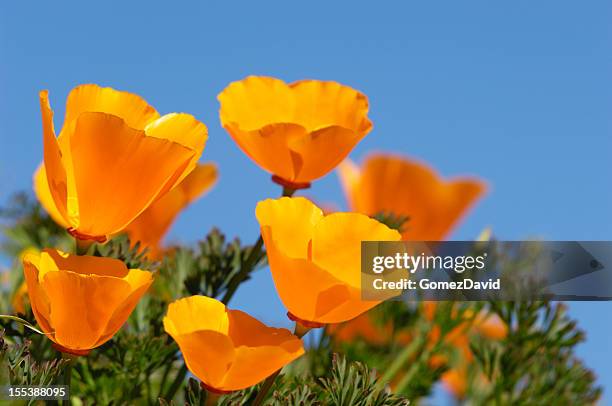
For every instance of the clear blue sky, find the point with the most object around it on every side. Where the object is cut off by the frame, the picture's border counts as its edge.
(518, 93)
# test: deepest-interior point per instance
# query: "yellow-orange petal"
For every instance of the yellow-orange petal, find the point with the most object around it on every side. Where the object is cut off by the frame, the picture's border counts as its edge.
(133, 109)
(298, 132)
(120, 174)
(182, 129)
(185, 316)
(151, 225)
(43, 193)
(336, 244)
(81, 301)
(55, 171)
(293, 221)
(228, 350)
(256, 101)
(320, 104)
(312, 286)
(403, 187)
(38, 297)
(81, 306)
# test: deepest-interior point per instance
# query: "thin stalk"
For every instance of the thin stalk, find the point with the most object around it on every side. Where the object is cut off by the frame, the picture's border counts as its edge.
(265, 388)
(82, 246)
(68, 375)
(211, 398)
(402, 359)
(176, 384)
(248, 266)
(251, 261)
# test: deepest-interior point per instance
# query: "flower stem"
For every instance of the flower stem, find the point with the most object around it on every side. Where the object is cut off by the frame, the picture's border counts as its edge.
(401, 360)
(68, 375)
(265, 388)
(211, 398)
(249, 264)
(82, 246)
(176, 384)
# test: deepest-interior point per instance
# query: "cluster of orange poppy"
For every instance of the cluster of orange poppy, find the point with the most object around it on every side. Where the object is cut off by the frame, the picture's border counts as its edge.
(118, 166)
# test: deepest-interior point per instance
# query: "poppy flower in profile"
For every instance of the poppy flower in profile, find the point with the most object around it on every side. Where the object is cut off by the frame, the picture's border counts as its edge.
(80, 302)
(226, 349)
(315, 259)
(114, 156)
(298, 132)
(151, 226)
(397, 186)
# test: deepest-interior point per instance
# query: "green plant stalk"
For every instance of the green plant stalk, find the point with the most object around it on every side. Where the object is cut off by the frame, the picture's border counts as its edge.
(68, 375)
(82, 246)
(178, 380)
(251, 261)
(402, 359)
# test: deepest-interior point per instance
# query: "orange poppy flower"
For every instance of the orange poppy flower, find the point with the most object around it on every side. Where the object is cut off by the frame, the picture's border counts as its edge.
(226, 349)
(114, 157)
(402, 187)
(150, 227)
(315, 259)
(299, 131)
(361, 327)
(80, 302)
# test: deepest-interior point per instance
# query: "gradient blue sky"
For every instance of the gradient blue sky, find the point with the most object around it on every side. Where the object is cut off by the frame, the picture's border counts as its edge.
(517, 93)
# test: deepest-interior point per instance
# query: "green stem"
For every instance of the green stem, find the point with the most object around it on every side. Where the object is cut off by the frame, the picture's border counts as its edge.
(265, 388)
(248, 266)
(68, 375)
(211, 398)
(251, 261)
(176, 384)
(288, 192)
(82, 246)
(402, 358)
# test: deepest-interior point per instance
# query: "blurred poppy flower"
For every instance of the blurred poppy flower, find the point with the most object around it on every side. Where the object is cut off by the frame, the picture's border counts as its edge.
(315, 259)
(114, 156)
(299, 131)
(389, 184)
(226, 349)
(455, 379)
(80, 302)
(361, 327)
(150, 227)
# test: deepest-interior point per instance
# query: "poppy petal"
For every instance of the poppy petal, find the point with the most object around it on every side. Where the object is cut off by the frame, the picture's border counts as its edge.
(291, 221)
(133, 109)
(95, 297)
(41, 189)
(140, 167)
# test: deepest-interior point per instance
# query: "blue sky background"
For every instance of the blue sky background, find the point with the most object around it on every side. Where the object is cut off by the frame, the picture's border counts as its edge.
(518, 93)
